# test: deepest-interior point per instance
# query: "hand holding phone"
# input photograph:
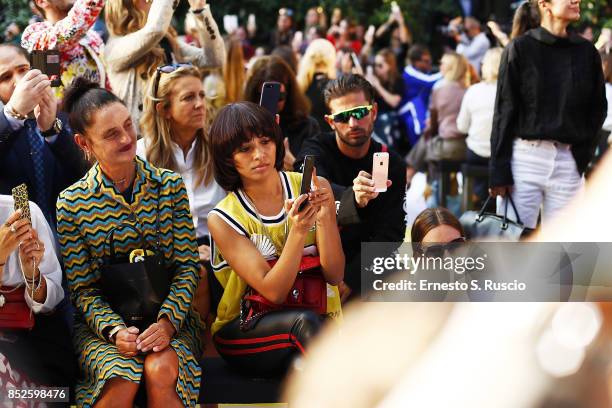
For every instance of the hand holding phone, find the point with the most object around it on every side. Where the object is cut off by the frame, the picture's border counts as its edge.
(20, 196)
(307, 168)
(230, 23)
(356, 64)
(47, 62)
(380, 171)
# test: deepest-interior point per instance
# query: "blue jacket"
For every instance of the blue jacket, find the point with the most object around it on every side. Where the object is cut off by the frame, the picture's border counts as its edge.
(418, 86)
(64, 163)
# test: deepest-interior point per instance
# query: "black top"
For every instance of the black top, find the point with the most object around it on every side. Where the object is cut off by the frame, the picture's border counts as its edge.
(317, 101)
(127, 194)
(549, 88)
(382, 220)
(396, 88)
(299, 130)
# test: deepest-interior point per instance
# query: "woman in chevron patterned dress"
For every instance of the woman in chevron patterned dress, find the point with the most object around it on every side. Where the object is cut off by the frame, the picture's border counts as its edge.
(122, 189)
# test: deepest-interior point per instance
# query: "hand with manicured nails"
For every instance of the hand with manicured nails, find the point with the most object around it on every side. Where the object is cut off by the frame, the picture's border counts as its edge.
(9, 240)
(28, 91)
(125, 340)
(363, 186)
(304, 220)
(157, 337)
(321, 197)
(31, 252)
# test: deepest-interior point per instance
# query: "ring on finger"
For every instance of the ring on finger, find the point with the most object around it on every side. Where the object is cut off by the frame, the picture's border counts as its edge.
(12, 228)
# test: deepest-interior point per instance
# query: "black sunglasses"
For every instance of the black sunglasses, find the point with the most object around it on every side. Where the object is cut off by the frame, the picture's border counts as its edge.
(167, 69)
(358, 113)
(438, 250)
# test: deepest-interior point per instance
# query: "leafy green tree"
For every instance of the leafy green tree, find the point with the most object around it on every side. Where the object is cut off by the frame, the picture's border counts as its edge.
(14, 11)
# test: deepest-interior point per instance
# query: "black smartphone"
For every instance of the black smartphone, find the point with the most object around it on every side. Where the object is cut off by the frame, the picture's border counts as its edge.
(307, 168)
(47, 62)
(270, 94)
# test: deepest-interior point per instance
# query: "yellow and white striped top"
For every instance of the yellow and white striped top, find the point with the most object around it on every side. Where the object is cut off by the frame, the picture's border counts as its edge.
(237, 211)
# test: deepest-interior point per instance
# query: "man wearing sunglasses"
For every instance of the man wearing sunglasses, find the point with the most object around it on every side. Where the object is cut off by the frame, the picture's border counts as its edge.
(344, 157)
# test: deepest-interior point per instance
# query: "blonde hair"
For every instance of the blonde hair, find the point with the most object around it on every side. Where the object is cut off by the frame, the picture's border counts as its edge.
(122, 17)
(457, 68)
(233, 72)
(156, 127)
(320, 56)
(490, 64)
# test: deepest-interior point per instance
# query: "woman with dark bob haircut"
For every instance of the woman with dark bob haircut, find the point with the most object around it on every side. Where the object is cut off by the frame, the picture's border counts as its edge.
(259, 237)
(437, 225)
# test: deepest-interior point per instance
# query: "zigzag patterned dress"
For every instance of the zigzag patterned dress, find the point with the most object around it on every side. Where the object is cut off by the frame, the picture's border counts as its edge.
(87, 211)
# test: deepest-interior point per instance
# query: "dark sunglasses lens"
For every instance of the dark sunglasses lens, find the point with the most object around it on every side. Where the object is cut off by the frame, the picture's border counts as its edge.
(434, 251)
(360, 113)
(342, 117)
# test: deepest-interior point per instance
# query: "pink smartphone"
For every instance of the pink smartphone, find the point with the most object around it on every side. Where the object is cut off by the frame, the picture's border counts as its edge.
(380, 171)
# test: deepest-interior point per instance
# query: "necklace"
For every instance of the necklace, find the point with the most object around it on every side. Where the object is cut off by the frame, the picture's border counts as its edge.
(263, 226)
(120, 181)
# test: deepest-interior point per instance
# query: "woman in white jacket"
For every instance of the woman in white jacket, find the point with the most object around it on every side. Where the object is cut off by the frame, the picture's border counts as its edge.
(141, 39)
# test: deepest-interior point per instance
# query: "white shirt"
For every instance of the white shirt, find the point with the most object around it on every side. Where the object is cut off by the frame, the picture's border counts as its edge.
(608, 123)
(476, 117)
(474, 49)
(202, 198)
(49, 265)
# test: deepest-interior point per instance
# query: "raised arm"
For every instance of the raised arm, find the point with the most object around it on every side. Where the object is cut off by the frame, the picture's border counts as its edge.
(123, 52)
(66, 32)
(212, 53)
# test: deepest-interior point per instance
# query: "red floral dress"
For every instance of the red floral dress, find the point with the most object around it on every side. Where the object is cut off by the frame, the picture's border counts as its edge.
(80, 48)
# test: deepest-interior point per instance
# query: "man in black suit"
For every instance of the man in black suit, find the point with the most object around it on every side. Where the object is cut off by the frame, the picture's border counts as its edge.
(36, 144)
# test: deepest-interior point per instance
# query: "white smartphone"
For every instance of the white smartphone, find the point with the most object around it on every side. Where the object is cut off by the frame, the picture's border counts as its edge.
(380, 171)
(230, 23)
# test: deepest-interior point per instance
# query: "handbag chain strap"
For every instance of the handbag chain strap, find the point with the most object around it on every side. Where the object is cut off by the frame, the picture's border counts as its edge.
(265, 229)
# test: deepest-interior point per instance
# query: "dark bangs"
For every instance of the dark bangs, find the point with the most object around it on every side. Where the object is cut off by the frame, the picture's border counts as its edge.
(234, 125)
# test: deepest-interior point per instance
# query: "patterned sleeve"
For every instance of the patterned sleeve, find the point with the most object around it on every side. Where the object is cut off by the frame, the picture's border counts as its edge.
(82, 273)
(66, 32)
(184, 258)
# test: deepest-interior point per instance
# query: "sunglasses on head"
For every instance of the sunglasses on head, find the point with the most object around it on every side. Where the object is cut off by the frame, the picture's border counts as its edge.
(358, 113)
(167, 69)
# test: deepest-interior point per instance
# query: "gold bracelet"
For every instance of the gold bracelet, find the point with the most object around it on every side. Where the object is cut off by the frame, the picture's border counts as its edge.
(13, 113)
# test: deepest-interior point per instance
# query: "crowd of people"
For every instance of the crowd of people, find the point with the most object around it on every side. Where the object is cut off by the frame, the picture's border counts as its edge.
(154, 148)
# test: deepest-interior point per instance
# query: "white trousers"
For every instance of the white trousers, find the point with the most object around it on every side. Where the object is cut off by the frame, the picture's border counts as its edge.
(545, 175)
